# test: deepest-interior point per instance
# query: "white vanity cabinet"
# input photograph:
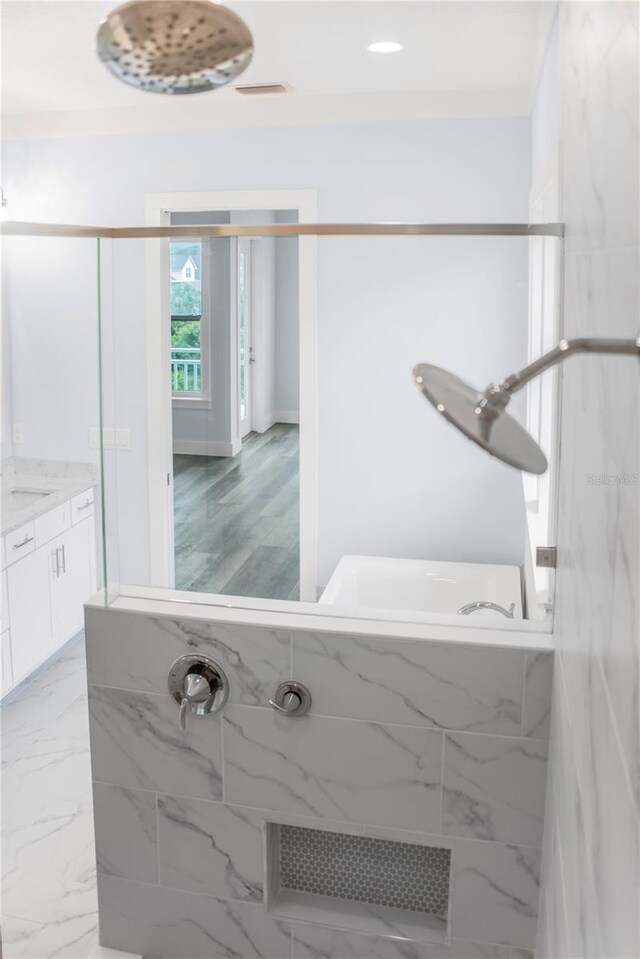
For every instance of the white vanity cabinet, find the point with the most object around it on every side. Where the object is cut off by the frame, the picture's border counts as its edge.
(73, 578)
(51, 572)
(29, 595)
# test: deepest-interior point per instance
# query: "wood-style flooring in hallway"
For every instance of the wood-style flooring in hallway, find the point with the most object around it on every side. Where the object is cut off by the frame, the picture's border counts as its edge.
(237, 519)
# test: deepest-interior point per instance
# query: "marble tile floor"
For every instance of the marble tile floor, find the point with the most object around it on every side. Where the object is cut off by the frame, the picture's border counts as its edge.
(236, 518)
(49, 901)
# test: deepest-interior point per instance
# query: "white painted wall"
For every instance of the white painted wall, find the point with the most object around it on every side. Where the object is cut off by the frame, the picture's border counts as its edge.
(50, 356)
(393, 479)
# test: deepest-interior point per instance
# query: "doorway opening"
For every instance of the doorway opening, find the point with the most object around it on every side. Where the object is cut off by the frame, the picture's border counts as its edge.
(234, 320)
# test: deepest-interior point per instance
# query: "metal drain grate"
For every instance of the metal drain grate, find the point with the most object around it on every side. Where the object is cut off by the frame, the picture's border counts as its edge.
(380, 872)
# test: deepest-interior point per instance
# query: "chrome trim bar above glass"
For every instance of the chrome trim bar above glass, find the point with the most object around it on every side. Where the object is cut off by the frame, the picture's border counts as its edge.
(18, 228)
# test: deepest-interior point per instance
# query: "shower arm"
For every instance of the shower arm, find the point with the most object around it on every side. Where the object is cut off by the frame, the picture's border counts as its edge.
(496, 397)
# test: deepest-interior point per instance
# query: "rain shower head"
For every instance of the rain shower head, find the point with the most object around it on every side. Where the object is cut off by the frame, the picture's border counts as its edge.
(495, 431)
(175, 46)
(482, 416)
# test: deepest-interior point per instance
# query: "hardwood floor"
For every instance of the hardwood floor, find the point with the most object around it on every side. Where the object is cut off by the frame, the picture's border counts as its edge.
(237, 519)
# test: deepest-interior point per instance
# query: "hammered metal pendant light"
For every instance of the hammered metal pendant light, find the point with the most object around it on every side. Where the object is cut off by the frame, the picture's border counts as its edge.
(175, 46)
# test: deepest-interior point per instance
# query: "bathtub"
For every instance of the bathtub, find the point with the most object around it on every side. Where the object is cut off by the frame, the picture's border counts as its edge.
(424, 586)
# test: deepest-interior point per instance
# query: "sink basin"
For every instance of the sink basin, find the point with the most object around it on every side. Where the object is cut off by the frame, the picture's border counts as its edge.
(425, 586)
(18, 498)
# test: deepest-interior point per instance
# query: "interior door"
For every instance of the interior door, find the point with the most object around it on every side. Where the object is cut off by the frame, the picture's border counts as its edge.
(246, 358)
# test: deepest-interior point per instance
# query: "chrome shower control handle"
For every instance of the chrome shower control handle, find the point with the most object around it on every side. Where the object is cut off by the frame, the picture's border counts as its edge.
(291, 698)
(199, 686)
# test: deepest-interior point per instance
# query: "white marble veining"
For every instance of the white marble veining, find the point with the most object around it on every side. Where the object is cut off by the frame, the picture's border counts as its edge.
(49, 905)
(591, 862)
(211, 848)
(345, 915)
(140, 653)
(313, 942)
(538, 683)
(136, 741)
(158, 921)
(217, 786)
(494, 788)
(495, 893)
(342, 769)
(428, 684)
(126, 834)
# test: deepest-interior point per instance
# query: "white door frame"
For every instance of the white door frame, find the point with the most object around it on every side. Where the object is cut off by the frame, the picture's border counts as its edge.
(243, 244)
(158, 207)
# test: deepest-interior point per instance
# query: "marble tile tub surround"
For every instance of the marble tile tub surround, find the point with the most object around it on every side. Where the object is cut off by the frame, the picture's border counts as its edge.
(591, 866)
(413, 740)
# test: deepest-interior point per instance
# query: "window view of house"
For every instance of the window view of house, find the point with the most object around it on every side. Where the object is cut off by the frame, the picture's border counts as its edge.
(186, 317)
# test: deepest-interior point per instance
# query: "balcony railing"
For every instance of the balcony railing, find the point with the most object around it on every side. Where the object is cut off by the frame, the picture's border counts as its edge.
(186, 369)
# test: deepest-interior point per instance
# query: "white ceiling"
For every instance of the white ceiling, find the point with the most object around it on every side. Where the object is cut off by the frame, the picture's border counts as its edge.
(472, 58)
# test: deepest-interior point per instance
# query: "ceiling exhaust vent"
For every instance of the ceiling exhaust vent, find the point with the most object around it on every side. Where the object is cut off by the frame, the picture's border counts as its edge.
(260, 89)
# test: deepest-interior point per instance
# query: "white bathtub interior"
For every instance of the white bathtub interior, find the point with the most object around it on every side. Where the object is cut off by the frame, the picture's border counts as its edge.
(425, 586)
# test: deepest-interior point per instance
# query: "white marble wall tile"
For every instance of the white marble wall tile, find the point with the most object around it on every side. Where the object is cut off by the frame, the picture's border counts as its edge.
(211, 848)
(601, 127)
(494, 788)
(136, 741)
(155, 921)
(495, 893)
(126, 839)
(134, 651)
(314, 942)
(341, 769)
(70, 932)
(538, 684)
(429, 684)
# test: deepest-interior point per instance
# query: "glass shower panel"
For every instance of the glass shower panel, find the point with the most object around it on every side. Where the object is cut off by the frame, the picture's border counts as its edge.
(314, 340)
(52, 558)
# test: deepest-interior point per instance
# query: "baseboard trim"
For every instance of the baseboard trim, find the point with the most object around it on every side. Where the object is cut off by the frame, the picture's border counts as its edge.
(207, 447)
(279, 416)
(286, 416)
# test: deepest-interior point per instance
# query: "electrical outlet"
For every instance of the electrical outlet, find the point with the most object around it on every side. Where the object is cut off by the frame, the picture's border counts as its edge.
(18, 432)
(108, 437)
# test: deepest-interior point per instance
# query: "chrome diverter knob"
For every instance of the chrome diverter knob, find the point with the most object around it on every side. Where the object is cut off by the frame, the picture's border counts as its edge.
(198, 685)
(291, 699)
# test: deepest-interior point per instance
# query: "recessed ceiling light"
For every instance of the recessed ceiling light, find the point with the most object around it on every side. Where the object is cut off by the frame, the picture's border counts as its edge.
(384, 46)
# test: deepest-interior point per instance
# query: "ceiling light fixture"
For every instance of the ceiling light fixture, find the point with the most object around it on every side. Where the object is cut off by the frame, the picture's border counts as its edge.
(384, 46)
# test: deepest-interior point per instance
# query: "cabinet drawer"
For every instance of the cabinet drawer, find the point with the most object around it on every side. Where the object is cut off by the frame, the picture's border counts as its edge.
(82, 505)
(20, 542)
(51, 524)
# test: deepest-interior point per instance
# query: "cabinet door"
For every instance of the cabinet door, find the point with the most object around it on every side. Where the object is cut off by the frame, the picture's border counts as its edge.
(29, 592)
(76, 581)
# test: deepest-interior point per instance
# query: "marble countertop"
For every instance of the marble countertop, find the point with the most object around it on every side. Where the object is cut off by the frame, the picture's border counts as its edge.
(59, 481)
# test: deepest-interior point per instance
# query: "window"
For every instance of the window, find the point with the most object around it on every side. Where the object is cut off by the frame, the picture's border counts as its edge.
(188, 327)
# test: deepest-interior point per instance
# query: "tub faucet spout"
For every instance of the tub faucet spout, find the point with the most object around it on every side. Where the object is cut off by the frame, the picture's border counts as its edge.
(484, 604)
